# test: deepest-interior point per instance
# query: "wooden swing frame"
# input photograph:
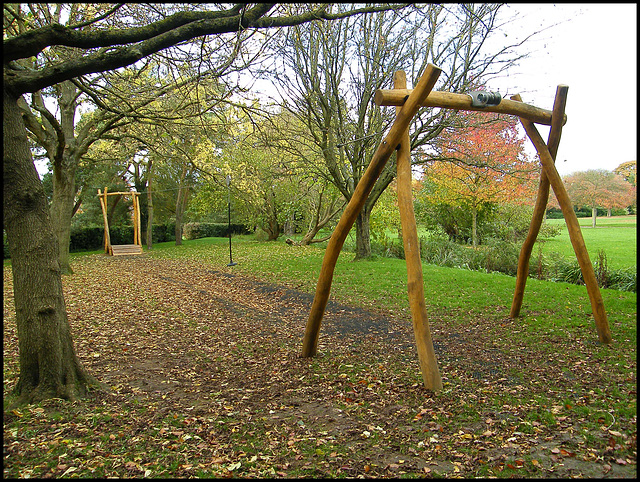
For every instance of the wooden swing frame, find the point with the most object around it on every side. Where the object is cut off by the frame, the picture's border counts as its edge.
(408, 102)
(122, 249)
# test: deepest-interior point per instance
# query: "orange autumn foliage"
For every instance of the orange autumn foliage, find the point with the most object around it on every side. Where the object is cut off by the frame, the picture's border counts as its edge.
(481, 163)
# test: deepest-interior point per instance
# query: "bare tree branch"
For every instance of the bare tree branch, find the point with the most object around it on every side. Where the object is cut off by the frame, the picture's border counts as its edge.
(128, 45)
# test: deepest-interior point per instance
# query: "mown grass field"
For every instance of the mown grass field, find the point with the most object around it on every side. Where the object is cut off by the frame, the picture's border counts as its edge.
(616, 236)
(204, 376)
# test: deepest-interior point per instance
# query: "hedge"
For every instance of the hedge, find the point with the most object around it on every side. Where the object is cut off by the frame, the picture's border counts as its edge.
(211, 230)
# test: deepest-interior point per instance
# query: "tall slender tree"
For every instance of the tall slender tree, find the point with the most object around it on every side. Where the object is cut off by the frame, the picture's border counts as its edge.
(331, 71)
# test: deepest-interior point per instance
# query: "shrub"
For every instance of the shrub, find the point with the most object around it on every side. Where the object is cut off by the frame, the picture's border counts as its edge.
(567, 271)
(548, 230)
(624, 279)
(92, 238)
(211, 230)
(554, 213)
(501, 257)
(600, 269)
(438, 250)
(86, 239)
(121, 234)
(164, 232)
(261, 235)
(388, 247)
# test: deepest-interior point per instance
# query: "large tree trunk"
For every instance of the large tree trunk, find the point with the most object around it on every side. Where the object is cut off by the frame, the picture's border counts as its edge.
(150, 209)
(178, 227)
(318, 221)
(64, 175)
(272, 230)
(48, 364)
(594, 215)
(272, 227)
(62, 205)
(363, 239)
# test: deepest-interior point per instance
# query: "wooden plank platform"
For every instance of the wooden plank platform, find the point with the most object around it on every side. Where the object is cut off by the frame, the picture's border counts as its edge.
(125, 249)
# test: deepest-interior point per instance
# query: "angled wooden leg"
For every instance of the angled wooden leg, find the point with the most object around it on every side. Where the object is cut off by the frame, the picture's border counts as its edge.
(541, 201)
(415, 284)
(380, 158)
(577, 241)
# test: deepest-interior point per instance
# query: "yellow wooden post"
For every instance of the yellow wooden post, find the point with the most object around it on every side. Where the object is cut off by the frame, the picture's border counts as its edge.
(139, 225)
(577, 241)
(559, 104)
(380, 158)
(136, 218)
(103, 205)
(415, 284)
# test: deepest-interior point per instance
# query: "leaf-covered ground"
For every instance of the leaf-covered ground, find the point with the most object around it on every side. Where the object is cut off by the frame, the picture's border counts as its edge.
(205, 380)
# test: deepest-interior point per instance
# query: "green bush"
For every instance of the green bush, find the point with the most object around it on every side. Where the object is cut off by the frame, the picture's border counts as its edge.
(92, 238)
(548, 230)
(554, 213)
(211, 230)
(164, 232)
(567, 271)
(121, 234)
(501, 257)
(624, 279)
(439, 250)
(86, 239)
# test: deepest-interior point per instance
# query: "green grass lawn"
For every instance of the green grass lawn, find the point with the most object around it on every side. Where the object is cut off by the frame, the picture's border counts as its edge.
(382, 281)
(555, 396)
(616, 236)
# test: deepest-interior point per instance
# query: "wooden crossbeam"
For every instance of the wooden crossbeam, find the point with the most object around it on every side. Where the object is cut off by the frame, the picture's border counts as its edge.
(463, 102)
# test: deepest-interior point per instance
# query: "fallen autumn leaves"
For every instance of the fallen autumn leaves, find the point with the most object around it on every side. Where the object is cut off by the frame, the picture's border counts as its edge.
(205, 380)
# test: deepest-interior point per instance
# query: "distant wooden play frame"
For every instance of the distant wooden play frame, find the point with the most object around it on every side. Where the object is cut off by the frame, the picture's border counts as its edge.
(408, 102)
(122, 249)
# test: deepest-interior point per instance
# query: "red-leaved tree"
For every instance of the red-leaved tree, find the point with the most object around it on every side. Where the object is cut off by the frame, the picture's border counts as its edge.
(599, 188)
(481, 162)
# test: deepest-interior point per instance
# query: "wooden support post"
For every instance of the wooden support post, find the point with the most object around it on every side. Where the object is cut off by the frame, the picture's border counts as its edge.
(553, 142)
(380, 158)
(597, 305)
(103, 205)
(415, 283)
(135, 219)
(139, 224)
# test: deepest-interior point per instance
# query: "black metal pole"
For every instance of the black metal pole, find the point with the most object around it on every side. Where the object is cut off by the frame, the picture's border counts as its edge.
(231, 263)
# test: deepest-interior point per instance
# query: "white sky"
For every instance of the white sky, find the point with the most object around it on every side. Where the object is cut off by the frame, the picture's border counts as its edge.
(593, 50)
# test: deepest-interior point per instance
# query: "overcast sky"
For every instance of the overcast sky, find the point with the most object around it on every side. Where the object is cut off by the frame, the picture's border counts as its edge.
(593, 50)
